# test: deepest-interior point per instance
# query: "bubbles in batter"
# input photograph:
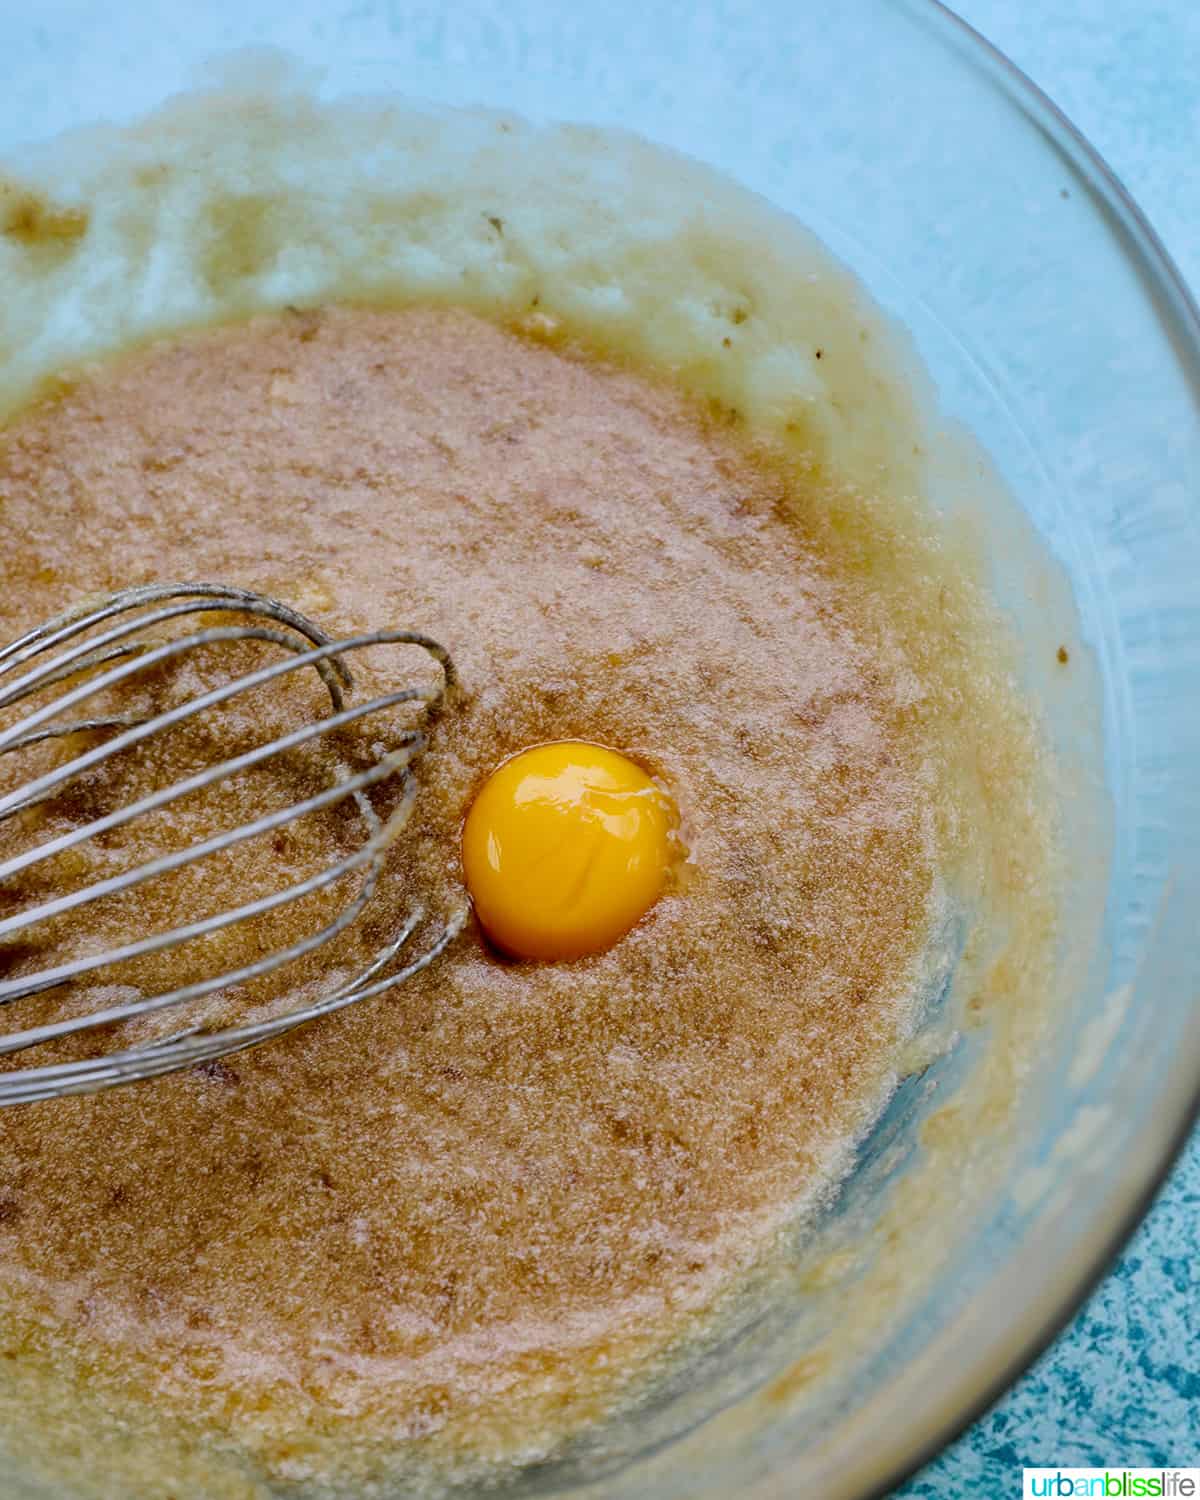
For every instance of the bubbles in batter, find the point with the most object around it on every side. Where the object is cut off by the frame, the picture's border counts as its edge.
(565, 849)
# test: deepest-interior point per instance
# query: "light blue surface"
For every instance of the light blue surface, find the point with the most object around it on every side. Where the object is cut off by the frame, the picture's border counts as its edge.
(1122, 1384)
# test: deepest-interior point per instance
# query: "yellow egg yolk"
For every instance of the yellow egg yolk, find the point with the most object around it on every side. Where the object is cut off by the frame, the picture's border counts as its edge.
(566, 846)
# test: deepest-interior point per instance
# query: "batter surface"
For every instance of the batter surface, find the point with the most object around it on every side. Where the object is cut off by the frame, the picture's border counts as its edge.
(504, 1187)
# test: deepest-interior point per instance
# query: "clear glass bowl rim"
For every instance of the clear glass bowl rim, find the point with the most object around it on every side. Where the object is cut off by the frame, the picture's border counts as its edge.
(1179, 313)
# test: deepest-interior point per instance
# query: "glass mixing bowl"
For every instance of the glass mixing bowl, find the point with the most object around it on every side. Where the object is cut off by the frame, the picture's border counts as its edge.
(1057, 331)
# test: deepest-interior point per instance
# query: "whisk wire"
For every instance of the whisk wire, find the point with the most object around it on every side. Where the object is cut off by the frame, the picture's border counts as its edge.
(153, 801)
(188, 1049)
(114, 658)
(201, 596)
(13, 989)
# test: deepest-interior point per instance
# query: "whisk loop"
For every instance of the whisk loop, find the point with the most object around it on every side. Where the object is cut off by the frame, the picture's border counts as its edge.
(111, 642)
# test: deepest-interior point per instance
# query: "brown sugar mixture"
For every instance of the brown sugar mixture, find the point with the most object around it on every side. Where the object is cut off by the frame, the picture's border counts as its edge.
(502, 1183)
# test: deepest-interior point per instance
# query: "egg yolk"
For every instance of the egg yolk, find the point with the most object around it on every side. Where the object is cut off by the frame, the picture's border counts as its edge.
(566, 846)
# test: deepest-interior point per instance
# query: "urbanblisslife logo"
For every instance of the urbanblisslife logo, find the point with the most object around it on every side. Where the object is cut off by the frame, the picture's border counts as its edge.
(1112, 1484)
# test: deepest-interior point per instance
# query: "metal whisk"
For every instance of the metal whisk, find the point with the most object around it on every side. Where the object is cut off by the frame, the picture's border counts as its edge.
(94, 649)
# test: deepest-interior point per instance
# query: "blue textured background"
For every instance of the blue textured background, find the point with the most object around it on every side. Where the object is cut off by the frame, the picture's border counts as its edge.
(1122, 1384)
